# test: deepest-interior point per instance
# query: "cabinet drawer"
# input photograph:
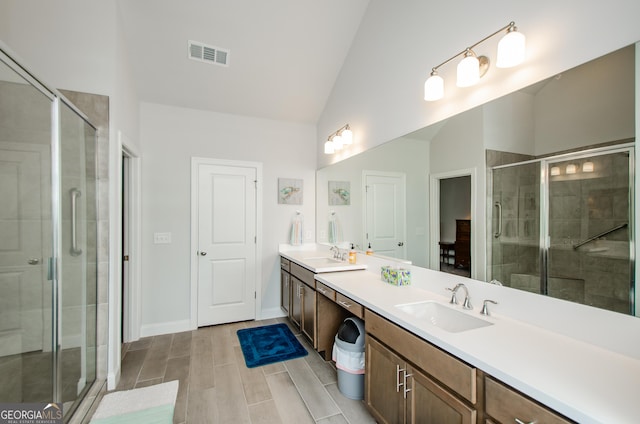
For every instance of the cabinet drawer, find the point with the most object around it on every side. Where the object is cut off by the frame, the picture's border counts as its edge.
(303, 275)
(326, 291)
(506, 405)
(354, 307)
(284, 263)
(450, 371)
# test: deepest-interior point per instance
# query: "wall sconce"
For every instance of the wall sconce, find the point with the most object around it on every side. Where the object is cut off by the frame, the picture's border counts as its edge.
(555, 171)
(511, 51)
(571, 169)
(338, 139)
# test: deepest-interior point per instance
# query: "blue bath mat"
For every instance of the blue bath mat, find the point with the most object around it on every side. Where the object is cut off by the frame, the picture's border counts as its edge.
(269, 344)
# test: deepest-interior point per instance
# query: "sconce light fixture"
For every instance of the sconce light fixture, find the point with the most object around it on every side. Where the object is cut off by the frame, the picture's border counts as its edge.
(511, 51)
(571, 169)
(587, 166)
(338, 139)
(555, 171)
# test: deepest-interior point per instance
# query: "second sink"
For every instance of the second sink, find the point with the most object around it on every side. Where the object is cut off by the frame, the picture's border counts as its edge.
(443, 316)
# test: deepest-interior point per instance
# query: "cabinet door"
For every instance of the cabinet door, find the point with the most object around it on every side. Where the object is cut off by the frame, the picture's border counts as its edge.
(285, 291)
(308, 325)
(383, 378)
(428, 402)
(296, 301)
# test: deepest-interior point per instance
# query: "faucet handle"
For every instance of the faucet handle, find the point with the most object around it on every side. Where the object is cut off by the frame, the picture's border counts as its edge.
(454, 300)
(485, 308)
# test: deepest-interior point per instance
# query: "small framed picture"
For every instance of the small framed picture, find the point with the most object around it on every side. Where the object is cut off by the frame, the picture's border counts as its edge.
(289, 191)
(339, 193)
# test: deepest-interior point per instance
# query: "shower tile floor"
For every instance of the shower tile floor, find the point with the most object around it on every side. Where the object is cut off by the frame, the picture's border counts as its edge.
(27, 377)
(216, 386)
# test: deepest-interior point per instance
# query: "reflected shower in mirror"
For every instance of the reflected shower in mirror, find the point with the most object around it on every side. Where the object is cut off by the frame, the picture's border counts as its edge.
(592, 105)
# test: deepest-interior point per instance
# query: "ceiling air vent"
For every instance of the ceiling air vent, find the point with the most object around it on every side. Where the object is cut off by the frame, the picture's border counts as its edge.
(208, 54)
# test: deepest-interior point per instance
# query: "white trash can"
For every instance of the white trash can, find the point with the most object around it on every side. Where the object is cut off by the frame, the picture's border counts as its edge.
(348, 354)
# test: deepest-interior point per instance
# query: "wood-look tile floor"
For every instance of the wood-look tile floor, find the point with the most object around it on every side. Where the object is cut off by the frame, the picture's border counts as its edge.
(217, 387)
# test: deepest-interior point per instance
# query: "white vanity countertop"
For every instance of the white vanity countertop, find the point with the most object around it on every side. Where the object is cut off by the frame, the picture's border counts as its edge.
(586, 383)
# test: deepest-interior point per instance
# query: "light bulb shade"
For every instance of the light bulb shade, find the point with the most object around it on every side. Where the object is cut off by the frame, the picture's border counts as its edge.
(511, 49)
(468, 71)
(328, 147)
(337, 142)
(555, 171)
(587, 167)
(347, 136)
(434, 88)
(571, 169)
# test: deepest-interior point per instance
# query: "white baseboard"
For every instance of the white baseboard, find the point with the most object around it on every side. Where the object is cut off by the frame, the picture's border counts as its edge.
(272, 313)
(148, 330)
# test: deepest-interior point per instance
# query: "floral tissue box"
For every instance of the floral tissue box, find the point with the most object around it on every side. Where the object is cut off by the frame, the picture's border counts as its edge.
(396, 276)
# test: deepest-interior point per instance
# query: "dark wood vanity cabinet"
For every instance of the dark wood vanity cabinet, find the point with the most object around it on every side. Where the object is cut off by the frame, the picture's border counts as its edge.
(413, 381)
(463, 243)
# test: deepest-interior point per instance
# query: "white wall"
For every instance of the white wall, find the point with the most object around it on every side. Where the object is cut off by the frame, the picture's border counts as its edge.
(379, 91)
(170, 137)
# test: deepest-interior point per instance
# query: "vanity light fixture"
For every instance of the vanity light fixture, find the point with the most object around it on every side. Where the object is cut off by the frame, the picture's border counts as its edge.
(338, 139)
(511, 50)
(555, 171)
(571, 169)
(587, 166)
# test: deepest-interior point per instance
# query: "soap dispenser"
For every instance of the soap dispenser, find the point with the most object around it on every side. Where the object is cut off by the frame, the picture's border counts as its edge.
(352, 255)
(369, 250)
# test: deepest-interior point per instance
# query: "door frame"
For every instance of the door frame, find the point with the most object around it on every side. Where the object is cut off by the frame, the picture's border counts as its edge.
(434, 217)
(131, 314)
(195, 164)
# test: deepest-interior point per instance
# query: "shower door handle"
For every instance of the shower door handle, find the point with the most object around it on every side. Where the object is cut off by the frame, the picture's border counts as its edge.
(498, 232)
(75, 193)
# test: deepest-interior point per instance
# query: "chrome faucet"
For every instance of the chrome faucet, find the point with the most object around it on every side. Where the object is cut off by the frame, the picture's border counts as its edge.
(467, 301)
(336, 252)
(485, 308)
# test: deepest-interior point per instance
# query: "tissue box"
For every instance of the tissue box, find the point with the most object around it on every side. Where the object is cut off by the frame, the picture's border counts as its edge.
(396, 276)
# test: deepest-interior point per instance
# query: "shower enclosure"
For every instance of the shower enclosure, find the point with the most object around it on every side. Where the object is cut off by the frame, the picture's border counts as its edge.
(48, 239)
(562, 226)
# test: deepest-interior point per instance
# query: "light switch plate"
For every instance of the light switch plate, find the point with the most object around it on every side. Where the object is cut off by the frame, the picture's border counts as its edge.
(161, 238)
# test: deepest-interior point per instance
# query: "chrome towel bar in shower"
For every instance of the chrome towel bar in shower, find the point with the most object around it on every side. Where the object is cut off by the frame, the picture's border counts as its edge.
(602, 234)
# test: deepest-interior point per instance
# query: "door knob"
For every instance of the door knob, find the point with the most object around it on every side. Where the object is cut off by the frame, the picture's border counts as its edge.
(203, 253)
(400, 243)
(33, 261)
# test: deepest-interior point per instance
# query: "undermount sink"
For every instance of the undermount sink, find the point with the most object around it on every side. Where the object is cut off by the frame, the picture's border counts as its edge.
(442, 316)
(323, 260)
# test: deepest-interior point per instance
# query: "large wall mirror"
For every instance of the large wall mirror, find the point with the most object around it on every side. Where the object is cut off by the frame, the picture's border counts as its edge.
(533, 190)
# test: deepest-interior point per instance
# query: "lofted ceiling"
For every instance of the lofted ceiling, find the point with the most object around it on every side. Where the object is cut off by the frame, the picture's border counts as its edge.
(284, 55)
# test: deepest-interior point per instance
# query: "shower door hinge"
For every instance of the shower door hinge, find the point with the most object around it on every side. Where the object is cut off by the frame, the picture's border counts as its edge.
(125, 258)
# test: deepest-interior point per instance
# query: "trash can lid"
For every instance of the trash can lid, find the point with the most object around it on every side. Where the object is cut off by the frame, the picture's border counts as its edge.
(352, 331)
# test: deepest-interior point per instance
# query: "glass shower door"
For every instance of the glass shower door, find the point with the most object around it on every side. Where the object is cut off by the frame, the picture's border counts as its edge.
(26, 329)
(515, 239)
(589, 232)
(78, 258)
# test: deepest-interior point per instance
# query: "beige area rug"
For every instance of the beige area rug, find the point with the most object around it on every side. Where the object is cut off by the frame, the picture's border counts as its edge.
(153, 404)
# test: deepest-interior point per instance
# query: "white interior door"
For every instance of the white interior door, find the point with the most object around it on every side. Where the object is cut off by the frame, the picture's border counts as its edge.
(24, 185)
(385, 213)
(226, 243)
